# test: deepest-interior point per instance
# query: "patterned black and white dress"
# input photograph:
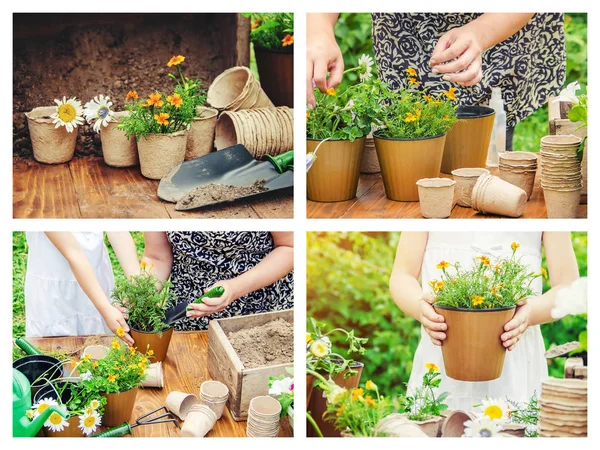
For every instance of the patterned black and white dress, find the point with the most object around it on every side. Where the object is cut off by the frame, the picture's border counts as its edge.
(529, 66)
(200, 259)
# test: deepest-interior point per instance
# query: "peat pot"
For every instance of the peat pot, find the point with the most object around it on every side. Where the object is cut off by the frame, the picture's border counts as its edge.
(405, 161)
(436, 197)
(333, 176)
(468, 141)
(236, 89)
(119, 407)
(202, 133)
(276, 72)
(117, 149)
(50, 145)
(159, 153)
(465, 181)
(472, 350)
(157, 342)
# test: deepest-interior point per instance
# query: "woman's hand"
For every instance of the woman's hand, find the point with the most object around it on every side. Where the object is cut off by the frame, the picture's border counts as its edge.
(516, 326)
(433, 323)
(114, 320)
(463, 44)
(213, 305)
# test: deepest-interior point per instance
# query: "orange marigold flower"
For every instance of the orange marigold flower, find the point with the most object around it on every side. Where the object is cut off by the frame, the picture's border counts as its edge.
(428, 98)
(411, 72)
(176, 60)
(162, 118)
(515, 246)
(307, 115)
(432, 367)
(287, 40)
(484, 260)
(369, 400)
(544, 272)
(410, 117)
(478, 300)
(95, 364)
(112, 378)
(443, 265)
(358, 393)
(132, 95)
(331, 91)
(412, 81)
(175, 100)
(255, 24)
(451, 93)
(150, 352)
(155, 100)
(120, 332)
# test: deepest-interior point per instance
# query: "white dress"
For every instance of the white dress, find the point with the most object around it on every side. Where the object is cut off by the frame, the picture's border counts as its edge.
(55, 304)
(525, 366)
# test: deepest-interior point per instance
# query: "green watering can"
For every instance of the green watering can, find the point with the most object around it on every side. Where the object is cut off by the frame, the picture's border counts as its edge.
(22, 425)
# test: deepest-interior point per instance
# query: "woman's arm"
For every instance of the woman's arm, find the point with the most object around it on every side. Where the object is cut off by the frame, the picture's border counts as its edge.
(276, 265)
(68, 246)
(158, 254)
(124, 248)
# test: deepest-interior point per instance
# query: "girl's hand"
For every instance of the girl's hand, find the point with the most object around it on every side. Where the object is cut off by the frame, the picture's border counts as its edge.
(114, 320)
(515, 328)
(433, 323)
(463, 44)
(213, 305)
(323, 55)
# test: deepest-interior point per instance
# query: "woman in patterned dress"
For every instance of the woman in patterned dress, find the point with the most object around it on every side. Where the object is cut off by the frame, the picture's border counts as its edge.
(255, 268)
(522, 53)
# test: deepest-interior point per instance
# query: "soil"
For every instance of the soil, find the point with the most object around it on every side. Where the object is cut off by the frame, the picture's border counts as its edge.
(265, 345)
(213, 193)
(84, 55)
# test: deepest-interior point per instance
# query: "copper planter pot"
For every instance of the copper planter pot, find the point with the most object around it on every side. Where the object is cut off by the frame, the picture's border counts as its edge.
(119, 407)
(468, 141)
(403, 162)
(158, 343)
(276, 72)
(333, 176)
(472, 350)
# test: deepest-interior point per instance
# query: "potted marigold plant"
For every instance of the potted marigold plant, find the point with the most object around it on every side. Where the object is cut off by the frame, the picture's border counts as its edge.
(115, 377)
(336, 129)
(410, 136)
(146, 305)
(476, 303)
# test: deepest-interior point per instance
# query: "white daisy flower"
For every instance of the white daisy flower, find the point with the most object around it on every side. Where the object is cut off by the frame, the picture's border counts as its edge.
(89, 422)
(68, 114)
(43, 405)
(98, 109)
(482, 427)
(495, 409)
(56, 422)
(95, 404)
(365, 63)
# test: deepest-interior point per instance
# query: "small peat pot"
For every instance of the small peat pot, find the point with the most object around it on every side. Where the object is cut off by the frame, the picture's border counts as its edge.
(199, 421)
(60, 392)
(469, 138)
(334, 175)
(405, 161)
(159, 153)
(236, 89)
(214, 394)
(276, 72)
(492, 195)
(117, 149)
(562, 203)
(465, 180)
(97, 352)
(454, 423)
(436, 197)
(157, 342)
(39, 370)
(180, 403)
(473, 350)
(119, 407)
(263, 417)
(51, 145)
(155, 376)
(431, 427)
(202, 133)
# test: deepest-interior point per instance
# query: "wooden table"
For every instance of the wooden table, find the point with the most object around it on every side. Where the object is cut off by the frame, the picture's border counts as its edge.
(371, 202)
(185, 369)
(86, 187)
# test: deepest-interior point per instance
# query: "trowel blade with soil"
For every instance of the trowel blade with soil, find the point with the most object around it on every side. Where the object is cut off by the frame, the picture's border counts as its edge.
(232, 166)
(175, 313)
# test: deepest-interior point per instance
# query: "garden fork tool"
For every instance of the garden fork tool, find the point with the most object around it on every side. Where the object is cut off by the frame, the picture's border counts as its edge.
(147, 419)
(176, 312)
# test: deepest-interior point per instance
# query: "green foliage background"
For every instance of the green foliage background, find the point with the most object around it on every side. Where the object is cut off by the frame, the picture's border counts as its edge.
(347, 286)
(353, 34)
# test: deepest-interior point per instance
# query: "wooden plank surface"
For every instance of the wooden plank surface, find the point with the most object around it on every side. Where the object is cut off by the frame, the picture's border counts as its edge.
(185, 368)
(371, 202)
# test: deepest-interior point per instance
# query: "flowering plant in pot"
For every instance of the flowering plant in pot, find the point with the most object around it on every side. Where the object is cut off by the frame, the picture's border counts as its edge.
(476, 303)
(146, 305)
(282, 388)
(335, 130)
(410, 136)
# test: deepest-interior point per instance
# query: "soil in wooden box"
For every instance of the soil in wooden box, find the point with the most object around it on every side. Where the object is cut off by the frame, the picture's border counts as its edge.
(264, 345)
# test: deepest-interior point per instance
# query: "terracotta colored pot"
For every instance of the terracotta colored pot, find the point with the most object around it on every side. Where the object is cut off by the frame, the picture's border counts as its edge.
(159, 153)
(202, 133)
(472, 350)
(562, 204)
(405, 161)
(334, 174)
(465, 180)
(468, 141)
(276, 72)
(117, 149)
(436, 197)
(51, 145)
(159, 343)
(119, 407)
(236, 89)
(72, 430)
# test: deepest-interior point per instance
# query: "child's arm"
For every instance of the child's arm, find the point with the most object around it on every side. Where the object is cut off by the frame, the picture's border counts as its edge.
(272, 268)
(124, 248)
(68, 246)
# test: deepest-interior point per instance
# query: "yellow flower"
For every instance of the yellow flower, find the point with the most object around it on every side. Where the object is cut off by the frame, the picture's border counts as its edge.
(175, 100)
(412, 81)
(155, 100)
(87, 358)
(478, 300)
(30, 414)
(331, 92)
(451, 93)
(411, 72)
(357, 393)
(370, 386)
(437, 103)
(443, 265)
(112, 378)
(544, 272)
(120, 332)
(150, 352)
(369, 400)
(410, 117)
(432, 367)
(95, 364)
(142, 366)
(255, 24)
(494, 290)
(115, 344)
(428, 98)
(484, 260)
(515, 246)
(307, 115)
(418, 113)
(176, 60)
(320, 348)
(122, 357)
(439, 285)
(497, 267)
(340, 411)
(162, 118)
(131, 350)
(309, 338)
(287, 40)
(132, 95)
(132, 366)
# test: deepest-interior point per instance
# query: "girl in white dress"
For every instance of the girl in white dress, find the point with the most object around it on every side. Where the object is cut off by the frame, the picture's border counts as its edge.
(525, 365)
(69, 281)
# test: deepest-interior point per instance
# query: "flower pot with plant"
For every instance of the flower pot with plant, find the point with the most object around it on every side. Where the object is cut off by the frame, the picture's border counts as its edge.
(146, 307)
(272, 35)
(476, 303)
(412, 132)
(336, 129)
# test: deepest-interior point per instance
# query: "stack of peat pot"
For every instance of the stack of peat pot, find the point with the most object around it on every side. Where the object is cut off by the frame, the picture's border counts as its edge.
(563, 408)
(518, 168)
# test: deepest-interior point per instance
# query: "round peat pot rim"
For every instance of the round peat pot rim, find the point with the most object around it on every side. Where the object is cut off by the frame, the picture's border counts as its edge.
(469, 172)
(474, 112)
(41, 114)
(377, 136)
(560, 140)
(119, 114)
(205, 113)
(175, 133)
(435, 183)
(452, 308)
(151, 332)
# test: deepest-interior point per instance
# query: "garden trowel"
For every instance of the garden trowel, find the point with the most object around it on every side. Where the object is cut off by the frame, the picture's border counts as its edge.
(225, 175)
(177, 312)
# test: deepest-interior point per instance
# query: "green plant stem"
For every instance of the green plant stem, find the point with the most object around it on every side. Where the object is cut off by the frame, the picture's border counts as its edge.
(314, 424)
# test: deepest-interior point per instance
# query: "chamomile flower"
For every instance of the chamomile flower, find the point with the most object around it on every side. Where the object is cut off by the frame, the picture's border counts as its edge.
(56, 422)
(98, 110)
(495, 409)
(69, 114)
(43, 405)
(321, 347)
(89, 422)
(366, 64)
(481, 427)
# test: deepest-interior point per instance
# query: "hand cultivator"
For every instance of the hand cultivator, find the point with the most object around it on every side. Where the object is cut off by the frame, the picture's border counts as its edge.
(146, 419)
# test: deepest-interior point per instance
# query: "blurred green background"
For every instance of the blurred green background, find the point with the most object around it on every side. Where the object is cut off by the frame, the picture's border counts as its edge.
(348, 287)
(353, 33)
